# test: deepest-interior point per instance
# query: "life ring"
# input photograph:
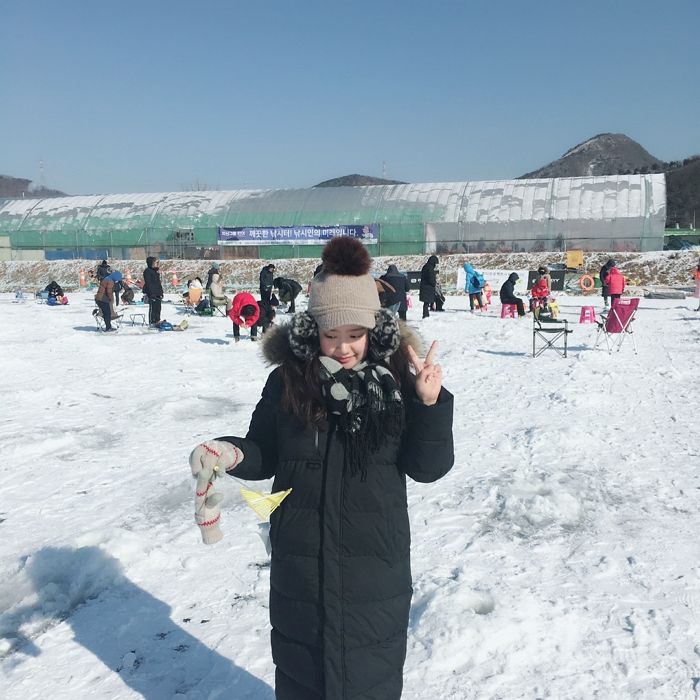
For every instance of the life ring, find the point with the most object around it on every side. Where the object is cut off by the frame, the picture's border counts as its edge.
(586, 283)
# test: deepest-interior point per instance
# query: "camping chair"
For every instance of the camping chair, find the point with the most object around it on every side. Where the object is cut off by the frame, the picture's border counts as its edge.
(99, 320)
(218, 306)
(193, 298)
(617, 322)
(549, 331)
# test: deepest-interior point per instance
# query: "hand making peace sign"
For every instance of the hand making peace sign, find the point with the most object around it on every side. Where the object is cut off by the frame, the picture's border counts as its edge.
(428, 375)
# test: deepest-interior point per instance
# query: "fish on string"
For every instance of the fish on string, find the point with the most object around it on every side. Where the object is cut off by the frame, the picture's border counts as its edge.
(264, 505)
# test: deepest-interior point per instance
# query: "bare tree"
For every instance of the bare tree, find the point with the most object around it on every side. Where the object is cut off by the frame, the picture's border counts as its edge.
(197, 186)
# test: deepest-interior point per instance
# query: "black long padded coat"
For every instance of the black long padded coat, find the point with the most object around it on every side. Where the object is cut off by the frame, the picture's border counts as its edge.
(603, 276)
(152, 286)
(340, 572)
(428, 281)
(400, 284)
(288, 289)
(507, 291)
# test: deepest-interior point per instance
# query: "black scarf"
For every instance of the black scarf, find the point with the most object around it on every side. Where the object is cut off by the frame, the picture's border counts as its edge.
(367, 404)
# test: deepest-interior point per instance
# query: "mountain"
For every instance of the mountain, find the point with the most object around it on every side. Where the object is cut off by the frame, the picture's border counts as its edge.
(356, 181)
(683, 193)
(604, 154)
(617, 154)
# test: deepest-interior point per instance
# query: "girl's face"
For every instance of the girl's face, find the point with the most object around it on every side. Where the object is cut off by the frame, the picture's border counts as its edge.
(346, 344)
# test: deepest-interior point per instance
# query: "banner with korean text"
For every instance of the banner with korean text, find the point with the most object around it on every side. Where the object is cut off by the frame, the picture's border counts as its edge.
(294, 235)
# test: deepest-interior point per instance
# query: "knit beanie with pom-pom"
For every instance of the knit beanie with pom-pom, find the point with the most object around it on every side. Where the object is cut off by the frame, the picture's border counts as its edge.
(344, 293)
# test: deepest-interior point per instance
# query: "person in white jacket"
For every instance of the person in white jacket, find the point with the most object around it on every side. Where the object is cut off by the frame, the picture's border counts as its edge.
(218, 295)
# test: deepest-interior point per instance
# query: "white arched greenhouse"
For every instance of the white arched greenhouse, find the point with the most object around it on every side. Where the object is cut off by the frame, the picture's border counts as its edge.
(622, 212)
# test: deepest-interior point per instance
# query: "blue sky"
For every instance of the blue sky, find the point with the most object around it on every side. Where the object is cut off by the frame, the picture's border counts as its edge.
(147, 96)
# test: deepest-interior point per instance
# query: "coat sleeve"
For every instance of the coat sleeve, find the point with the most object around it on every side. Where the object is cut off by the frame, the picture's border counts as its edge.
(427, 448)
(259, 447)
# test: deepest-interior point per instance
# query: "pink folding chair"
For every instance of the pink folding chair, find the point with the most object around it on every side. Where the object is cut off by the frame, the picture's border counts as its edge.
(616, 325)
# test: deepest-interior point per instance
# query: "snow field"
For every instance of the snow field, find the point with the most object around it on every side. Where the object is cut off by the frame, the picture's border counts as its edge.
(558, 559)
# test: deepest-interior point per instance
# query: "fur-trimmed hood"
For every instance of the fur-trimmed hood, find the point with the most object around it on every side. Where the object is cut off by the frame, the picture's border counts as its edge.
(276, 348)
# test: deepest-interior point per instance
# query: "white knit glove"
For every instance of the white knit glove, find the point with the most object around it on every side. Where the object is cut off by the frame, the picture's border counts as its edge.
(207, 513)
(208, 461)
(212, 458)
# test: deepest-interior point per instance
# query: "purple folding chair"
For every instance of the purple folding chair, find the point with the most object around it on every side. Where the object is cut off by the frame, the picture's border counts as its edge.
(616, 325)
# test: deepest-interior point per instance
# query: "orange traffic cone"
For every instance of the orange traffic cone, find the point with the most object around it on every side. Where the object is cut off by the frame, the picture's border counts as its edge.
(176, 282)
(81, 281)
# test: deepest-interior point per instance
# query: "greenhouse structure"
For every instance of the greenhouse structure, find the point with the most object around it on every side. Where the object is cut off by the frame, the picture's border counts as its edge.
(613, 213)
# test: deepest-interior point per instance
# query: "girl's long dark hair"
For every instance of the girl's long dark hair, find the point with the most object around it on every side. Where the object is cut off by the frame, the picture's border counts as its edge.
(302, 396)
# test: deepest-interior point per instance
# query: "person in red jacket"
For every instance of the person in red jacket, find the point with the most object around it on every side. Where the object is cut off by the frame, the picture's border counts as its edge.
(615, 282)
(244, 312)
(539, 294)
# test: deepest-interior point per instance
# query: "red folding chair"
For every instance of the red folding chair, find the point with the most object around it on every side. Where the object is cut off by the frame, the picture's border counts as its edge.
(616, 325)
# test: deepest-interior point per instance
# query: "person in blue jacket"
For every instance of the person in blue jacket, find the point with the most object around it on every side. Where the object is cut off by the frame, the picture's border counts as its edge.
(474, 286)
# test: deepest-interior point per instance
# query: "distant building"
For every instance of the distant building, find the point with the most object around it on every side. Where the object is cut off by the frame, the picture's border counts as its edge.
(622, 212)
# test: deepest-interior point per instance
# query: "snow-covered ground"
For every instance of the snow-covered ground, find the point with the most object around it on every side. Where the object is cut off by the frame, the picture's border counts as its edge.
(558, 559)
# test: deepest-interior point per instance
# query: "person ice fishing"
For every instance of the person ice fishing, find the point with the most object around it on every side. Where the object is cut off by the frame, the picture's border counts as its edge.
(615, 282)
(102, 270)
(127, 294)
(268, 311)
(428, 292)
(543, 271)
(244, 312)
(539, 293)
(54, 290)
(267, 278)
(473, 286)
(218, 292)
(604, 272)
(213, 270)
(396, 301)
(342, 422)
(104, 296)
(508, 296)
(288, 291)
(153, 289)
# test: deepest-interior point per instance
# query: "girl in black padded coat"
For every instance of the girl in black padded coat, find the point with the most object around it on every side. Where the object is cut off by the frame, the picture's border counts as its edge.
(342, 422)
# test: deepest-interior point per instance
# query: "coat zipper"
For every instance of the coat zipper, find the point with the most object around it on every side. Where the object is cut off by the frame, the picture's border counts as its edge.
(340, 570)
